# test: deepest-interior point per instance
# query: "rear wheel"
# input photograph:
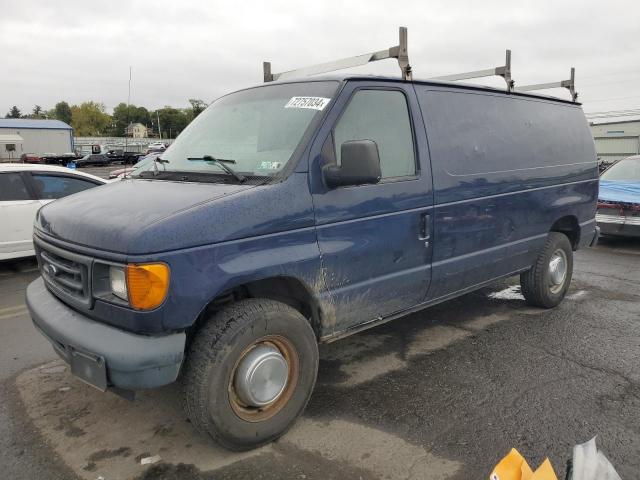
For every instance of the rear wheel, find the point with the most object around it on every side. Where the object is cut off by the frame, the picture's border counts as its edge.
(547, 282)
(249, 373)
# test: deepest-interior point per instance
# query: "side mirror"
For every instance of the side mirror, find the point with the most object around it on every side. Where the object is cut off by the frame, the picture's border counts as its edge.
(360, 165)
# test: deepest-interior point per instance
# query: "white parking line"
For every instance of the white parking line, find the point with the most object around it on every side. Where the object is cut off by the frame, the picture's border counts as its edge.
(15, 311)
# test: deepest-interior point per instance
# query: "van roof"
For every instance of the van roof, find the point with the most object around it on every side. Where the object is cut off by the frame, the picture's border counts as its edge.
(383, 78)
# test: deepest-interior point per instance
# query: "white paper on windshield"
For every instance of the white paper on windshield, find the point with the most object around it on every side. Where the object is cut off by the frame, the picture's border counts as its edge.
(269, 165)
(315, 103)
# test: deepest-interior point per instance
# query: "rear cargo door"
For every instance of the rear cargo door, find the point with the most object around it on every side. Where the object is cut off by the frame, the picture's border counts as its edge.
(375, 240)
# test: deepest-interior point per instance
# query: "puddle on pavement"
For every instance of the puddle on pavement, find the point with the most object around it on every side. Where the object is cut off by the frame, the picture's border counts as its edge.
(361, 371)
(364, 357)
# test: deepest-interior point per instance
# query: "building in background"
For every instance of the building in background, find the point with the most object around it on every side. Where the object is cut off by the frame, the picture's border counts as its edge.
(136, 130)
(616, 140)
(37, 137)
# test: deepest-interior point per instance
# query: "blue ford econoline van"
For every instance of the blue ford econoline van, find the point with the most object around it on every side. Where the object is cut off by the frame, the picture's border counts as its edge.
(298, 212)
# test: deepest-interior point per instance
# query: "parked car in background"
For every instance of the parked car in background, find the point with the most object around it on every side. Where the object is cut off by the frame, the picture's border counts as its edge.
(125, 157)
(58, 159)
(619, 198)
(143, 163)
(157, 147)
(121, 172)
(30, 158)
(23, 190)
(115, 155)
(93, 159)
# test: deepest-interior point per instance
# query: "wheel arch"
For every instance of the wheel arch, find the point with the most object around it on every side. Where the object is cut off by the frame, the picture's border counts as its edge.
(283, 288)
(569, 226)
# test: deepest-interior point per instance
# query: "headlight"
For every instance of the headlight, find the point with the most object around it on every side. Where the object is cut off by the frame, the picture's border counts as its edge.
(118, 282)
(144, 285)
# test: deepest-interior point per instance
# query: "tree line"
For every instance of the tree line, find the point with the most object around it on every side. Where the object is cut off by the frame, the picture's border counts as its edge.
(90, 119)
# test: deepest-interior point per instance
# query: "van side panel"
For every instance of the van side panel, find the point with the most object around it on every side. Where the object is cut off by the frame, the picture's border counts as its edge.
(505, 168)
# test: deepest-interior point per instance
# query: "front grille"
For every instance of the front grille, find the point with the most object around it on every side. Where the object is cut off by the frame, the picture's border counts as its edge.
(65, 273)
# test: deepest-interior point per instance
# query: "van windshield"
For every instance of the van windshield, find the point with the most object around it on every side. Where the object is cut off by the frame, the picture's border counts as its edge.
(255, 132)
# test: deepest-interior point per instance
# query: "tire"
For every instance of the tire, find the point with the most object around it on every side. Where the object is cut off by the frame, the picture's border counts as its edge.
(220, 350)
(540, 287)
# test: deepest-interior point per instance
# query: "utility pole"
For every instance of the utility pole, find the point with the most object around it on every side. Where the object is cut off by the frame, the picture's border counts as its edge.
(159, 129)
(126, 134)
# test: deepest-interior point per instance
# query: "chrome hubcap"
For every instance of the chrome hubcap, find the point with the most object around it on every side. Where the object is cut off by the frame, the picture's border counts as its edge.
(261, 376)
(557, 270)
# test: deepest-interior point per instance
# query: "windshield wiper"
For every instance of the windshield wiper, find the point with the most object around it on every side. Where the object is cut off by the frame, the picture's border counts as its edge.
(222, 163)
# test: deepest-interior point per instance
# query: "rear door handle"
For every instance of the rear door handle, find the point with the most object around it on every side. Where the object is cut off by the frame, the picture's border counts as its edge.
(425, 228)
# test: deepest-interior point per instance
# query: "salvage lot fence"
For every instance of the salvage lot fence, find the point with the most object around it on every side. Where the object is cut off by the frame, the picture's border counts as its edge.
(118, 143)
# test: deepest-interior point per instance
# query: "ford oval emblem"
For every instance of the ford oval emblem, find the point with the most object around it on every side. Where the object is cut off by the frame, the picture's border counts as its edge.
(53, 271)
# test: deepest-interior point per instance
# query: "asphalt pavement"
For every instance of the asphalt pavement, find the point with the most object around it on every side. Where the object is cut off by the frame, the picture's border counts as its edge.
(443, 393)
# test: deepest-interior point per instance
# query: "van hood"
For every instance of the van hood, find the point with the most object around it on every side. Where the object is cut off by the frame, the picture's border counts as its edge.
(113, 217)
(144, 217)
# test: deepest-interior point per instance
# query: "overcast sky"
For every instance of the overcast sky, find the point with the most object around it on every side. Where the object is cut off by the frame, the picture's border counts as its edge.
(78, 50)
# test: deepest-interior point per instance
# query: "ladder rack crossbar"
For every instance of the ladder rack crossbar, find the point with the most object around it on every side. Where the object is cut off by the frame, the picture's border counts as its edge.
(399, 52)
(489, 72)
(333, 66)
(569, 84)
(503, 71)
(543, 86)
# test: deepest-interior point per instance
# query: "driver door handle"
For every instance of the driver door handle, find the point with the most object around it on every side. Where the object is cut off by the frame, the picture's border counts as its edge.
(425, 229)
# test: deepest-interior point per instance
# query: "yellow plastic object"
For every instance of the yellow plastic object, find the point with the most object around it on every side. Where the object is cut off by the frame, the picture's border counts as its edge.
(544, 472)
(147, 285)
(514, 467)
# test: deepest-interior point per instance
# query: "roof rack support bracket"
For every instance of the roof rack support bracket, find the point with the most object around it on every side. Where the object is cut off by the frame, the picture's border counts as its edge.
(569, 84)
(266, 68)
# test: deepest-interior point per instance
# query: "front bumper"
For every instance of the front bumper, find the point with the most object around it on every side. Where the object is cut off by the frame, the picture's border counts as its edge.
(132, 361)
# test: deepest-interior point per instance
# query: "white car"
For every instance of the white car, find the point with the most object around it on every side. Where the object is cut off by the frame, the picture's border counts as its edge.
(156, 147)
(24, 188)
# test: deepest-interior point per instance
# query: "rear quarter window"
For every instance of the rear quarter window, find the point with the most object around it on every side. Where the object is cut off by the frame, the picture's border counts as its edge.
(484, 144)
(12, 187)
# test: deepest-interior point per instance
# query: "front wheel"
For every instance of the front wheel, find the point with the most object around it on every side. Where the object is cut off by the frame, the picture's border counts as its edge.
(547, 282)
(249, 373)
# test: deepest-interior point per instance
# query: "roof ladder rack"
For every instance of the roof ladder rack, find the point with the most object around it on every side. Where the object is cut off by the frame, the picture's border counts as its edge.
(399, 51)
(568, 84)
(503, 71)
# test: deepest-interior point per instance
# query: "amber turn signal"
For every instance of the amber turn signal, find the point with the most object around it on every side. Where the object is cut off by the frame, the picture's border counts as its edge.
(147, 284)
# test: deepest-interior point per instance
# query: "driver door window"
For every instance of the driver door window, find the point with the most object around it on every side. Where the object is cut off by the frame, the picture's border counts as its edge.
(381, 116)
